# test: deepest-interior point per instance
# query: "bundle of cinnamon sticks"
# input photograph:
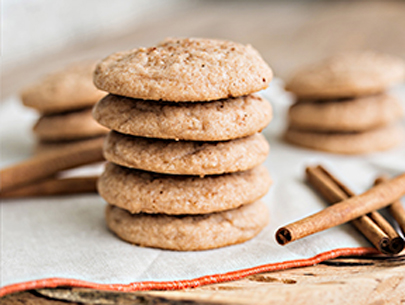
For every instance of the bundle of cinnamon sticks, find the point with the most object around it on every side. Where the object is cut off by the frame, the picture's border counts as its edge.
(361, 210)
(38, 176)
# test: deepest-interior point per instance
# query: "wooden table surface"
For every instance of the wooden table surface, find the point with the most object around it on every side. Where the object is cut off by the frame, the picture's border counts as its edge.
(339, 281)
(288, 34)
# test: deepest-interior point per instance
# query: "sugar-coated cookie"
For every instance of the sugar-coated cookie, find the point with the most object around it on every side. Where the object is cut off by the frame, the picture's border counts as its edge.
(355, 114)
(68, 89)
(68, 126)
(184, 70)
(185, 157)
(214, 121)
(139, 191)
(348, 143)
(347, 75)
(189, 232)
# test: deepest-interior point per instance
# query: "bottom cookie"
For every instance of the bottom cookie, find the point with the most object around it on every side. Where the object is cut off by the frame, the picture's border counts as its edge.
(348, 143)
(189, 232)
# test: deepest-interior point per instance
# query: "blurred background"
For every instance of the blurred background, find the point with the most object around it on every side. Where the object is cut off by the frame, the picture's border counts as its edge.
(39, 36)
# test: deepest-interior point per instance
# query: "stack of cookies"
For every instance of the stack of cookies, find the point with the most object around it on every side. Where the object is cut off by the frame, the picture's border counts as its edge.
(184, 153)
(65, 100)
(343, 106)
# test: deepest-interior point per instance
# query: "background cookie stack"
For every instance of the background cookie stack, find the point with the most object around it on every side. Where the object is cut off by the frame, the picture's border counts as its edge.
(342, 106)
(185, 152)
(65, 99)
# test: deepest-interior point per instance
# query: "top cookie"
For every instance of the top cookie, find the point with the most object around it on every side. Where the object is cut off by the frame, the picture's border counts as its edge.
(347, 75)
(68, 89)
(181, 70)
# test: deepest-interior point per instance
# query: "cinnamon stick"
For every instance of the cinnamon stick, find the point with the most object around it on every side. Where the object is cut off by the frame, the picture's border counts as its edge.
(54, 186)
(373, 226)
(49, 163)
(396, 243)
(396, 209)
(349, 209)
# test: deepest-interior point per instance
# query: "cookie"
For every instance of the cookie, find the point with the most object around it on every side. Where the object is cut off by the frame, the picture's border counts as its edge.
(46, 146)
(358, 114)
(185, 157)
(69, 89)
(184, 70)
(214, 121)
(189, 232)
(348, 143)
(68, 126)
(347, 75)
(138, 191)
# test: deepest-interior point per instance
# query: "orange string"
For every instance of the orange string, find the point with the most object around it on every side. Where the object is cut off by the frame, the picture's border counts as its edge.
(182, 284)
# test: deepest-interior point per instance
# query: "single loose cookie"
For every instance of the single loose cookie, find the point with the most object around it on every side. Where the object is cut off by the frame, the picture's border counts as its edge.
(348, 143)
(214, 121)
(356, 114)
(347, 75)
(189, 233)
(186, 157)
(68, 126)
(138, 191)
(184, 70)
(69, 89)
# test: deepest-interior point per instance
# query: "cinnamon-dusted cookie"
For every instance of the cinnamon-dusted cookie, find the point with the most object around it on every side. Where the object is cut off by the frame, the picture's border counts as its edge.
(348, 143)
(184, 70)
(347, 75)
(355, 114)
(189, 233)
(214, 121)
(186, 157)
(69, 89)
(139, 191)
(68, 126)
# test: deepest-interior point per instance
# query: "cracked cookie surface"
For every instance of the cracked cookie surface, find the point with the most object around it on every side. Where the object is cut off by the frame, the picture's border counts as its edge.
(186, 157)
(139, 191)
(184, 70)
(189, 232)
(214, 121)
